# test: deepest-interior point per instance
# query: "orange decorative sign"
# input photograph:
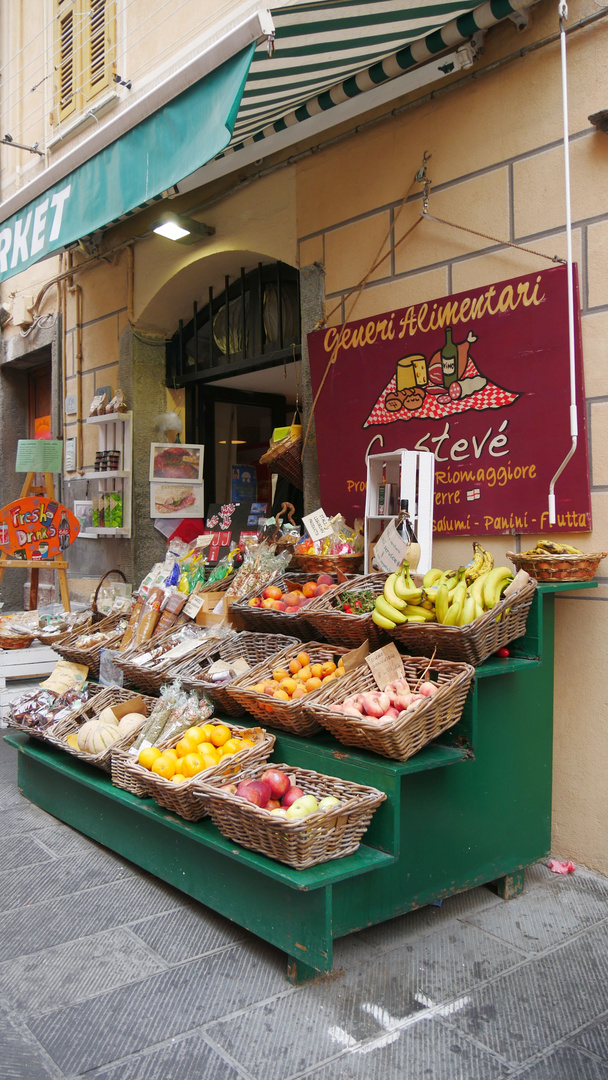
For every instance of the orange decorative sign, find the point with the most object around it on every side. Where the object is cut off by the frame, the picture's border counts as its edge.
(36, 527)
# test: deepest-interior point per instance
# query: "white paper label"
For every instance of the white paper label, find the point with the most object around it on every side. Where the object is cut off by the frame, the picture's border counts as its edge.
(144, 746)
(193, 606)
(390, 550)
(317, 525)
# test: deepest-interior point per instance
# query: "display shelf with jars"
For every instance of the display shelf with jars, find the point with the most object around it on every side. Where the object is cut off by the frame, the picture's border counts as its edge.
(111, 477)
(393, 477)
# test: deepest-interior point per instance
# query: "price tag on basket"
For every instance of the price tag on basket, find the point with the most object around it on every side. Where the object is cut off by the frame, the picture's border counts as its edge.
(317, 525)
(386, 665)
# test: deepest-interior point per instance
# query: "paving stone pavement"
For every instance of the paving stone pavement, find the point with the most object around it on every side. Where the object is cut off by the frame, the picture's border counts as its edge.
(107, 973)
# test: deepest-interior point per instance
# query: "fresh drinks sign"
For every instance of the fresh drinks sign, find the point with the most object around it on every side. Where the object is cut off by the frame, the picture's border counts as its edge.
(481, 380)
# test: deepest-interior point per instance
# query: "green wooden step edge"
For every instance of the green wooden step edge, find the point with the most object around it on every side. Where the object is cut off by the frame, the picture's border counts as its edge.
(204, 832)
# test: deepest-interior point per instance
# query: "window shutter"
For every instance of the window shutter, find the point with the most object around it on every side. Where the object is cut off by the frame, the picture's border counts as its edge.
(65, 59)
(99, 50)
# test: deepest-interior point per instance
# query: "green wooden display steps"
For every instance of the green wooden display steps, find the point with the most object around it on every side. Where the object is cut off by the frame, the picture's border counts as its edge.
(473, 807)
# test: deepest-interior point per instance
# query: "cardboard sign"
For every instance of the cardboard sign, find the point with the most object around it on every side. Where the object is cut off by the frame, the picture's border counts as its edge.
(355, 657)
(36, 527)
(480, 379)
(386, 665)
(317, 525)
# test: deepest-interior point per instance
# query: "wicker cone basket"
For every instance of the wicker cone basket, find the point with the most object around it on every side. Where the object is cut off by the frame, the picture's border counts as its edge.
(268, 620)
(114, 695)
(339, 627)
(558, 567)
(318, 838)
(150, 678)
(402, 738)
(285, 458)
(69, 650)
(180, 798)
(293, 716)
(474, 643)
(254, 648)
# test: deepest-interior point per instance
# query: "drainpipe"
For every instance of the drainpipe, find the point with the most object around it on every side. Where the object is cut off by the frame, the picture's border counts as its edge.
(130, 283)
(76, 290)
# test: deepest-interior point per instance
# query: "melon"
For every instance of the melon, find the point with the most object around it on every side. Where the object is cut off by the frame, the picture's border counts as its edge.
(107, 715)
(72, 740)
(101, 737)
(85, 731)
(129, 722)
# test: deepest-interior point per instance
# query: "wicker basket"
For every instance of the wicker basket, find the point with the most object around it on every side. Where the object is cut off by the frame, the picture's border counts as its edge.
(269, 621)
(293, 716)
(558, 567)
(69, 651)
(15, 641)
(114, 695)
(57, 639)
(254, 648)
(97, 615)
(180, 798)
(474, 643)
(327, 564)
(339, 627)
(285, 458)
(149, 679)
(402, 738)
(325, 835)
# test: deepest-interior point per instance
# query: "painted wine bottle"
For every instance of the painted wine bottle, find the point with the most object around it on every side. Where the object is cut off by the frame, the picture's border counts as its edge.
(449, 359)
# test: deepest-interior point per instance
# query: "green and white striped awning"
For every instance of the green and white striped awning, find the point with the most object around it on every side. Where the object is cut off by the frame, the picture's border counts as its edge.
(331, 51)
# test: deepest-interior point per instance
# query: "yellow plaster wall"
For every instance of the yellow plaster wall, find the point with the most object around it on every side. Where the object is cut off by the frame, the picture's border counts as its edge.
(496, 168)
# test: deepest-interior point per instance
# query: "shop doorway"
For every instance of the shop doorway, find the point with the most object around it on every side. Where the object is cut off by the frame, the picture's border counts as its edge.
(235, 428)
(238, 360)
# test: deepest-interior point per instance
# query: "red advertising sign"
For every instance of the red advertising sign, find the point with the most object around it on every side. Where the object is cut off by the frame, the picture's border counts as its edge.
(36, 527)
(480, 379)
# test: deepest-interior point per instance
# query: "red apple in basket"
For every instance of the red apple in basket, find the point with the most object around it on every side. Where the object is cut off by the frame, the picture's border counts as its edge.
(255, 791)
(291, 796)
(277, 781)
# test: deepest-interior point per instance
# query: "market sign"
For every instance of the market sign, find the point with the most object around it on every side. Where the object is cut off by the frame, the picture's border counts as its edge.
(36, 527)
(481, 380)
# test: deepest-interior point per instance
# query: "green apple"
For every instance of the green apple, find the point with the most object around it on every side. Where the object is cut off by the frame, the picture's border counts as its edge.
(302, 807)
(328, 802)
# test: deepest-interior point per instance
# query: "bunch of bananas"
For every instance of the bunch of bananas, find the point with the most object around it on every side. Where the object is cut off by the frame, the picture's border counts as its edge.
(549, 547)
(451, 597)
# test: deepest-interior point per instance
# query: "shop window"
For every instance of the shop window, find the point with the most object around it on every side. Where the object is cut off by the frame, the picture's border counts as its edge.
(84, 53)
(253, 323)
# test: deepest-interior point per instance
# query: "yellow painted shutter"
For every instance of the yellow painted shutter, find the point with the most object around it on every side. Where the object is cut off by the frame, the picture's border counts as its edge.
(65, 57)
(99, 47)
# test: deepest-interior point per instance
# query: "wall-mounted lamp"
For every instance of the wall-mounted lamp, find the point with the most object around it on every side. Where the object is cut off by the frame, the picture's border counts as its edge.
(184, 230)
(600, 120)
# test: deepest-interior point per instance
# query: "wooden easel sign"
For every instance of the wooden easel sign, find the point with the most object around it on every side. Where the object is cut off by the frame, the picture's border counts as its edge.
(35, 531)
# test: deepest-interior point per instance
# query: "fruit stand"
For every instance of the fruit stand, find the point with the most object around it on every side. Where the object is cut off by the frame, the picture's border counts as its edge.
(472, 807)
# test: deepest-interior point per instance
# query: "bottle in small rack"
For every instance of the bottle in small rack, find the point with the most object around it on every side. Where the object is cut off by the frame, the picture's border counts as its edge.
(405, 531)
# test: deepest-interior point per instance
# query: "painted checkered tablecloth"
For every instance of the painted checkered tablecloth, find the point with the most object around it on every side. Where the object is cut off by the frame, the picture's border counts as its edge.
(491, 397)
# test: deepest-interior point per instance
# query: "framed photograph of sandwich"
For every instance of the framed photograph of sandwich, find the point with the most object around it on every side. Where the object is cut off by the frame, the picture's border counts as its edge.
(175, 500)
(176, 462)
